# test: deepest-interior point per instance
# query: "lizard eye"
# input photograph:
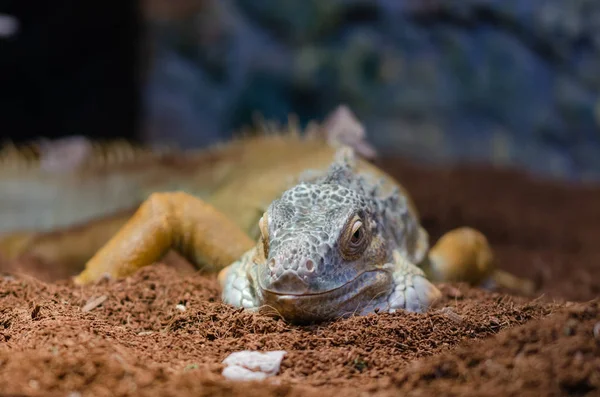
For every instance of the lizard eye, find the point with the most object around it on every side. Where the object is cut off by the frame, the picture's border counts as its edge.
(357, 233)
(355, 241)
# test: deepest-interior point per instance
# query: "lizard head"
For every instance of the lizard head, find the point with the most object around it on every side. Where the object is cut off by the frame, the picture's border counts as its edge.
(324, 245)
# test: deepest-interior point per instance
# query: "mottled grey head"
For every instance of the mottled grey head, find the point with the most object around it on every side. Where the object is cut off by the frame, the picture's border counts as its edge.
(324, 243)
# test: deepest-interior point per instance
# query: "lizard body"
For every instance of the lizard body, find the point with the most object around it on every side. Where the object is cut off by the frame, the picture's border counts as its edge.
(333, 246)
(65, 215)
(221, 207)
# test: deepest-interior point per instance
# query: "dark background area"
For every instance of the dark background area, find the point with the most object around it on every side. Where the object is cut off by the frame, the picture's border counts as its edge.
(71, 69)
(508, 83)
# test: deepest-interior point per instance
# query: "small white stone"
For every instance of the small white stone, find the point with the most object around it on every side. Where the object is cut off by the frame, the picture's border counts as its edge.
(251, 365)
(235, 372)
(181, 307)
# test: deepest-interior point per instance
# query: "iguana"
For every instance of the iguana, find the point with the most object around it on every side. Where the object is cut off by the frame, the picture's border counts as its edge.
(296, 224)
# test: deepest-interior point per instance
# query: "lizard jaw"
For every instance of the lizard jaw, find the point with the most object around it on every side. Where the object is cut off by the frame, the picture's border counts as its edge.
(331, 291)
(341, 301)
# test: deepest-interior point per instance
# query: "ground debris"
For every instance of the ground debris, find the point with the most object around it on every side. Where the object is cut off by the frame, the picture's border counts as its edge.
(252, 365)
(93, 303)
(138, 342)
(448, 312)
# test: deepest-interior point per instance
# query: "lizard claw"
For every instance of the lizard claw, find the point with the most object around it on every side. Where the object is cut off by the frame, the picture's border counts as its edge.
(413, 292)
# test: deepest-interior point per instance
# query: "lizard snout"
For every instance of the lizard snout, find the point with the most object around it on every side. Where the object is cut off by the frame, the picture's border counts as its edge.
(289, 277)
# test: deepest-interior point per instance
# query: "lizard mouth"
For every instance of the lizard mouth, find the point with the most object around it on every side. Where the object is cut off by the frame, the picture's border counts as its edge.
(363, 290)
(353, 287)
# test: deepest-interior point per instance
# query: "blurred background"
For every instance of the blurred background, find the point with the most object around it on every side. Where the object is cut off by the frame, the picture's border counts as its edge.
(506, 82)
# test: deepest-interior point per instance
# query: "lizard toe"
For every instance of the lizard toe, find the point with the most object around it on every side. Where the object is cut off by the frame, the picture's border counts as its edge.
(237, 289)
(424, 294)
(416, 294)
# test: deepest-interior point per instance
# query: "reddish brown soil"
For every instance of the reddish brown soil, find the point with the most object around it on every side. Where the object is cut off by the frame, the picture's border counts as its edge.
(474, 342)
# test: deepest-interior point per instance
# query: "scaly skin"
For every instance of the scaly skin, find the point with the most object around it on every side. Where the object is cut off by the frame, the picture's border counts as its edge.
(344, 240)
(63, 217)
(212, 218)
(332, 247)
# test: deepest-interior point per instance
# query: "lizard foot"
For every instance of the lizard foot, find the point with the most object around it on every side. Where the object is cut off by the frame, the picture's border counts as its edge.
(168, 220)
(412, 291)
(236, 286)
(464, 255)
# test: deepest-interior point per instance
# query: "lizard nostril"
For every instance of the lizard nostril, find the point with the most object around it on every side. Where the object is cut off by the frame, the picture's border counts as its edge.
(310, 265)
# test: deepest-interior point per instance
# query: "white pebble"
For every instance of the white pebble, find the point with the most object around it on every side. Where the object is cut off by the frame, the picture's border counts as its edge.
(252, 365)
(235, 372)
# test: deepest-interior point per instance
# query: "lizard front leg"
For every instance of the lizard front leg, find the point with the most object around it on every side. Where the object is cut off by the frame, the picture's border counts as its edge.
(464, 254)
(173, 220)
(237, 287)
(412, 291)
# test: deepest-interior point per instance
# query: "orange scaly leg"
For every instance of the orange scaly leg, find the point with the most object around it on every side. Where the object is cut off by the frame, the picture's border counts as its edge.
(464, 254)
(173, 220)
